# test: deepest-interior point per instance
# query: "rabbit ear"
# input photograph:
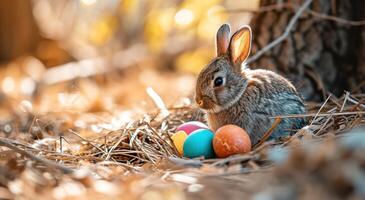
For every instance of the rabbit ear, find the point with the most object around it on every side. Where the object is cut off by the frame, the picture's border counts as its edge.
(222, 39)
(240, 45)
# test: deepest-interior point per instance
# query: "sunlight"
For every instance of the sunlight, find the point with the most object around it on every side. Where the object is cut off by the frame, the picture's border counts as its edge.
(184, 17)
(88, 2)
(27, 86)
(8, 85)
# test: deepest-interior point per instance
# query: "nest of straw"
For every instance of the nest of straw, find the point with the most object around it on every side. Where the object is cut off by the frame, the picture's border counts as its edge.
(147, 140)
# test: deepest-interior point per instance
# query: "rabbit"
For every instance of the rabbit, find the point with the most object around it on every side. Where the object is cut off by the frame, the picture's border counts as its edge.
(246, 98)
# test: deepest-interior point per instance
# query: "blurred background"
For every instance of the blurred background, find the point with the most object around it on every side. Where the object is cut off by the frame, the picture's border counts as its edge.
(109, 55)
(52, 42)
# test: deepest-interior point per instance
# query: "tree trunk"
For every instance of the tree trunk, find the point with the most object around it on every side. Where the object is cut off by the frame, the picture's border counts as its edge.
(319, 55)
(19, 34)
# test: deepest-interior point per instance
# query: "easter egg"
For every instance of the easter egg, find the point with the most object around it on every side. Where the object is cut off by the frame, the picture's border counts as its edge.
(230, 140)
(199, 143)
(179, 138)
(192, 126)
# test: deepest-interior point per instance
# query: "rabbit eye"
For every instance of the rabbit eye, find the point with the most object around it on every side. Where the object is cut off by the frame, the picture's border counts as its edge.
(218, 81)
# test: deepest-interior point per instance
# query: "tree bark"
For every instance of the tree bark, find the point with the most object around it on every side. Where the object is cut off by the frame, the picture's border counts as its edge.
(319, 55)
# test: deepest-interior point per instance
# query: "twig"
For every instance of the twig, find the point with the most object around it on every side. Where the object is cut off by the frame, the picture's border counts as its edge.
(86, 140)
(121, 138)
(322, 106)
(319, 114)
(8, 143)
(269, 132)
(286, 33)
(324, 124)
(344, 101)
(158, 101)
(356, 102)
(336, 19)
(296, 135)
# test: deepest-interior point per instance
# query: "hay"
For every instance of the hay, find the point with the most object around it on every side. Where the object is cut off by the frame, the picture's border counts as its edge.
(144, 145)
(147, 140)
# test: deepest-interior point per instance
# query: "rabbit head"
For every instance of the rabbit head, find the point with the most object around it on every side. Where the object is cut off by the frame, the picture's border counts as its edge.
(221, 84)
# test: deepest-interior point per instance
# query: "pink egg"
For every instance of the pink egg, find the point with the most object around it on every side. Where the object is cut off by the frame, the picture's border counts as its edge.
(192, 126)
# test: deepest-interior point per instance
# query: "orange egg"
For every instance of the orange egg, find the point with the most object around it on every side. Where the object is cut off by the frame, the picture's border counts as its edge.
(230, 140)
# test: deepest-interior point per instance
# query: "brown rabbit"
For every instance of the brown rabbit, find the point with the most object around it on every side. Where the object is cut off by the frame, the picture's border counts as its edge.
(247, 98)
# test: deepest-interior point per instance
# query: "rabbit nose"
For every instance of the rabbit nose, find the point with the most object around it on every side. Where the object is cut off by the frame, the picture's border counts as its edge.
(200, 102)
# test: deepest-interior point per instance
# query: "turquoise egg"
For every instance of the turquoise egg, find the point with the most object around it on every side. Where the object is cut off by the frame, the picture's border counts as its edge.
(199, 143)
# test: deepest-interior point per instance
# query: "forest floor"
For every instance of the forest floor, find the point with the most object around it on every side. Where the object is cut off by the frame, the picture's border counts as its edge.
(108, 137)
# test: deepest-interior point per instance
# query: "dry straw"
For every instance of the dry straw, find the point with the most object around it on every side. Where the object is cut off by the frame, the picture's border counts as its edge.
(147, 140)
